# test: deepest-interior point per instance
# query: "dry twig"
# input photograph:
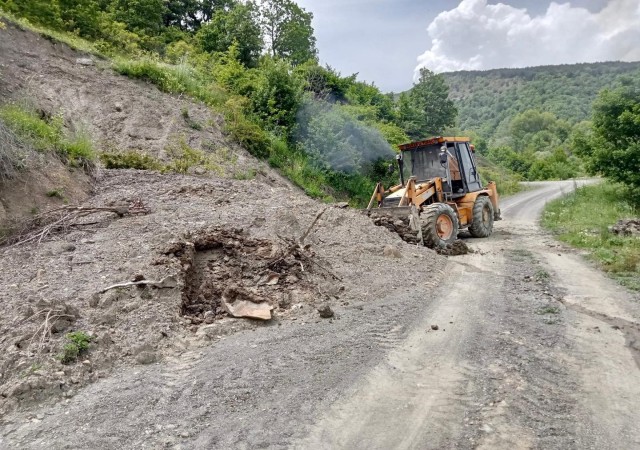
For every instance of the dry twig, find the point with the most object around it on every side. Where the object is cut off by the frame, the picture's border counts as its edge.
(61, 219)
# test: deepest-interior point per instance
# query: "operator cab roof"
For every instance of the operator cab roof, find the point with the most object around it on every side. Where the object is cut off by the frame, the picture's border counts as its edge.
(432, 141)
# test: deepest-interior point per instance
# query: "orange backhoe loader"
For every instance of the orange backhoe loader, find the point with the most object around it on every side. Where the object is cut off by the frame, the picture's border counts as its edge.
(440, 190)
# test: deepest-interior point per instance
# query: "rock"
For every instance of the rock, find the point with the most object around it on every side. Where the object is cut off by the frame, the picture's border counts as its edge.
(248, 309)
(84, 61)
(435, 327)
(68, 247)
(118, 106)
(200, 171)
(325, 311)
(239, 302)
(209, 317)
(146, 357)
(391, 252)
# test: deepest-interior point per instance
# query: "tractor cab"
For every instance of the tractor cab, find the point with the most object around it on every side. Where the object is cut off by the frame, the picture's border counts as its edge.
(449, 158)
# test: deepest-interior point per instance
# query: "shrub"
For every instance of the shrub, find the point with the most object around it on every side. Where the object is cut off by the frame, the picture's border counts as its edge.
(78, 344)
(130, 160)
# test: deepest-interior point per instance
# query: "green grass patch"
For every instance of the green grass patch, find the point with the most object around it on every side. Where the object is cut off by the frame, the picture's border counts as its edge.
(46, 133)
(582, 219)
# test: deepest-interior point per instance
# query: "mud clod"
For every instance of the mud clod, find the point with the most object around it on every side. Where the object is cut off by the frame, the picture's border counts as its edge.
(325, 311)
(455, 249)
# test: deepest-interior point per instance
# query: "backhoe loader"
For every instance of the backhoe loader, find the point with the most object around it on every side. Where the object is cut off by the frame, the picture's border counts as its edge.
(440, 191)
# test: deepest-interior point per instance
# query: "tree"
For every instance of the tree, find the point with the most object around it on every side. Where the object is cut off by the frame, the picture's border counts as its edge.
(145, 16)
(430, 110)
(612, 148)
(237, 24)
(190, 15)
(288, 31)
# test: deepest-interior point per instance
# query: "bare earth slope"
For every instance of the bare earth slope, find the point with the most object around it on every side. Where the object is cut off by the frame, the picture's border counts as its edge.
(534, 348)
(205, 236)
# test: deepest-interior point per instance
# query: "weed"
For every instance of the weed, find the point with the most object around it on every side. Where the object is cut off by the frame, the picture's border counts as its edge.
(245, 175)
(542, 275)
(548, 310)
(130, 160)
(185, 157)
(57, 193)
(78, 344)
(189, 121)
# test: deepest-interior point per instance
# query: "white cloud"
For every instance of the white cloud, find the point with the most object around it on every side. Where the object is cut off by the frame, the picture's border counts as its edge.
(476, 35)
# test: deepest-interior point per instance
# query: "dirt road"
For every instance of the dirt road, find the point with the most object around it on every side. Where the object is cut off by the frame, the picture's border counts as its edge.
(534, 348)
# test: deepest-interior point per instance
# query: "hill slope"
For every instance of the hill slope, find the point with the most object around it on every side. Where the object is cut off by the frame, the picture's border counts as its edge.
(485, 99)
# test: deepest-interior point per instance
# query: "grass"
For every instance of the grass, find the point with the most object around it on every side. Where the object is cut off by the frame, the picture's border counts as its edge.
(508, 183)
(77, 344)
(582, 219)
(46, 133)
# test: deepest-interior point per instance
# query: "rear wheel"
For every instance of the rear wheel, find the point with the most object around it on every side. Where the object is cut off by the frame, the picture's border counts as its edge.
(440, 225)
(482, 222)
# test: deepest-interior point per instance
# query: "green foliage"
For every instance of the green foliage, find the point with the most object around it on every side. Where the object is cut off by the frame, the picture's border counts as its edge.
(78, 343)
(238, 25)
(277, 94)
(45, 133)
(130, 160)
(288, 31)
(57, 193)
(183, 157)
(582, 219)
(487, 99)
(427, 110)
(612, 146)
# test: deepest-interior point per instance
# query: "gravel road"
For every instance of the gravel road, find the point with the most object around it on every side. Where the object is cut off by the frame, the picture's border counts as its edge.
(522, 345)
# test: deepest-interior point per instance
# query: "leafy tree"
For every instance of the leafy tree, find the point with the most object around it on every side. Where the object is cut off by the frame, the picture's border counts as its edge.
(288, 31)
(144, 16)
(190, 15)
(237, 24)
(277, 94)
(429, 110)
(612, 148)
(43, 12)
(81, 16)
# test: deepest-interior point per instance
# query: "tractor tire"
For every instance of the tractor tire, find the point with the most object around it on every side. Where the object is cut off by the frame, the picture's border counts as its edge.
(482, 218)
(439, 225)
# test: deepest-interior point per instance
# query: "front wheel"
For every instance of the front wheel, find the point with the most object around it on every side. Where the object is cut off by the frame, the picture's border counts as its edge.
(440, 225)
(482, 220)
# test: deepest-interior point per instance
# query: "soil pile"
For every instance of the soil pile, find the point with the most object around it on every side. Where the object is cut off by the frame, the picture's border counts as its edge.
(626, 227)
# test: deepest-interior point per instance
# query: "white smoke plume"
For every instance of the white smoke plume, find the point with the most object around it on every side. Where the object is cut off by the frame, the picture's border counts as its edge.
(476, 36)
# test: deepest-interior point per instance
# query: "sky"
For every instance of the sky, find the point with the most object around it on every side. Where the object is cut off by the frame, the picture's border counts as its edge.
(387, 41)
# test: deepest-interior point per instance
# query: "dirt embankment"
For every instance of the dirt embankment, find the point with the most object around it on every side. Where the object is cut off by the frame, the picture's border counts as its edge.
(201, 244)
(118, 113)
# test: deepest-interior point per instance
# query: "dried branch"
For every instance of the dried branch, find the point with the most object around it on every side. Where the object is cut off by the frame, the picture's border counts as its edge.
(61, 219)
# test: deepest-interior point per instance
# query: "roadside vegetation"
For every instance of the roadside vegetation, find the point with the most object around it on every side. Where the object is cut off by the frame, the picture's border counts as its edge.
(610, 146)
(582, 219)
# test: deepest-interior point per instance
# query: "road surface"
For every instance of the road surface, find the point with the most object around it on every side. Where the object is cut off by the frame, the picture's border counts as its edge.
(523, 345)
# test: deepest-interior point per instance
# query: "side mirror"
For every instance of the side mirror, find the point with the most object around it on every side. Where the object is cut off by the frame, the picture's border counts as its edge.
(444, 158)
(392, 168)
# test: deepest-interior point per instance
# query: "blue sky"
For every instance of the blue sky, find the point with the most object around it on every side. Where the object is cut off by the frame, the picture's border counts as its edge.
(383, 39)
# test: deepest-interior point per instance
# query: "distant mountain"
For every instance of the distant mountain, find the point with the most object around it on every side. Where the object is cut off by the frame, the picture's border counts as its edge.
(485, 99)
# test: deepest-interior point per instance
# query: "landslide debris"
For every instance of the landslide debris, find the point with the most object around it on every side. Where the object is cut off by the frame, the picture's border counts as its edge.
(229, 273)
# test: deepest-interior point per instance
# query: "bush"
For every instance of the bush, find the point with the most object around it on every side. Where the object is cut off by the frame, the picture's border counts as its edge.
(130, 160)
(78, 344)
